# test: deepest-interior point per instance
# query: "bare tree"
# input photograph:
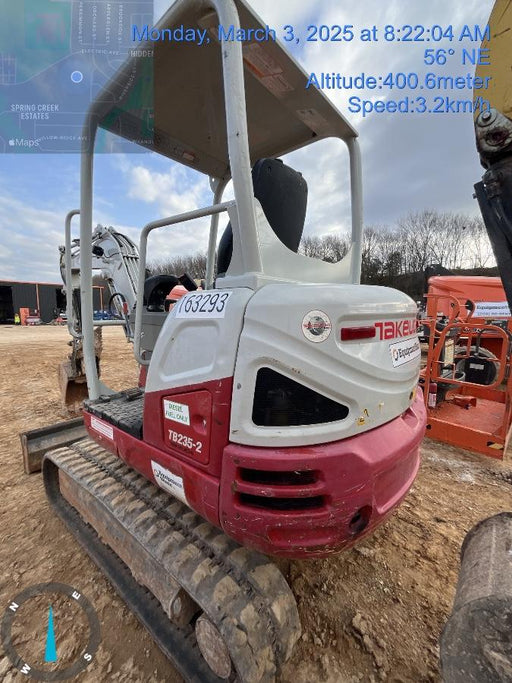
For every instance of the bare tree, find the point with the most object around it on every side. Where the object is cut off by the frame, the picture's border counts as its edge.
(394, 256)
(416, 233)
(194, 265)
(479, 247)
(312, 246)
(335, 247)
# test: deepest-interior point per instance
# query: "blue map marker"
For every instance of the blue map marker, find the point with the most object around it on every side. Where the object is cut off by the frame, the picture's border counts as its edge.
(50, 654)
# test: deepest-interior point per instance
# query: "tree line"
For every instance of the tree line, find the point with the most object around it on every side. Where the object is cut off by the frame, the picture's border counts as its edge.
(391, 255)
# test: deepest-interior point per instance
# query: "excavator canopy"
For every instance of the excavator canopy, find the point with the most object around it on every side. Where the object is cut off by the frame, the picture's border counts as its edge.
(169, 96)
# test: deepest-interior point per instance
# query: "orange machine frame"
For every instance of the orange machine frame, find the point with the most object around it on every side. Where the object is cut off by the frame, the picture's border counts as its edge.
(473, 416)
(444, 289)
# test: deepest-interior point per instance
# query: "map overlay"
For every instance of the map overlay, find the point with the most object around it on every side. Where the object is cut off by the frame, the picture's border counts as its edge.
(55, 56)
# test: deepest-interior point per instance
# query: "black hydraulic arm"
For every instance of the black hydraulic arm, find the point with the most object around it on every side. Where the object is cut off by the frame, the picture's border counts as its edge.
(494, 195)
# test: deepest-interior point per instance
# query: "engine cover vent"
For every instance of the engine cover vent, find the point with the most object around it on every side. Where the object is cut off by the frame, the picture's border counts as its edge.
(282, 402)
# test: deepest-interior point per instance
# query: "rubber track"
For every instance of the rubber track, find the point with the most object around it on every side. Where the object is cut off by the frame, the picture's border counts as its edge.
(240, 590)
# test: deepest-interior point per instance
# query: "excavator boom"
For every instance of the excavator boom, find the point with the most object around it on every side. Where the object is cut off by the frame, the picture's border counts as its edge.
(493, 131)
(494, 127)
(116, 257)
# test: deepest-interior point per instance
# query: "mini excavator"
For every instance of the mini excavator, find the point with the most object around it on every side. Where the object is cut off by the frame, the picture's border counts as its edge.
(278, 412)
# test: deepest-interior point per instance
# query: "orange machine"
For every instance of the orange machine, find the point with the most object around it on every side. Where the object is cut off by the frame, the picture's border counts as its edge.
(468, 389)
(24, 314)
(485, 294)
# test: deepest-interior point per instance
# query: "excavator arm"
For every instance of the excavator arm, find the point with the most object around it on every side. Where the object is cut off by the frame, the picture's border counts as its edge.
(116, 257)
(493, 130)
(494, 127)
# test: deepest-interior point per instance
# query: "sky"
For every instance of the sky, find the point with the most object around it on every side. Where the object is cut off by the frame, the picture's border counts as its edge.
(410, 162)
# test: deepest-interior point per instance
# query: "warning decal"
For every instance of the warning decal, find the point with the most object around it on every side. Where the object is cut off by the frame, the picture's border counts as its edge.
(102, 428)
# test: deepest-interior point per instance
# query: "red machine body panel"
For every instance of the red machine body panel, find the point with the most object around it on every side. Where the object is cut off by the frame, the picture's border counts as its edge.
(352, 487)
(200, 490)
(297, 502)
(208, 405)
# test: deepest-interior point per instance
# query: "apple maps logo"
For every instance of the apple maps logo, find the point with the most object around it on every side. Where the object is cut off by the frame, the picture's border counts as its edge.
(22, 142)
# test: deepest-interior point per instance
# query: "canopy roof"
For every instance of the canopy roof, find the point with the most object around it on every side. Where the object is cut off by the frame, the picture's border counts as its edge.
(173, 101)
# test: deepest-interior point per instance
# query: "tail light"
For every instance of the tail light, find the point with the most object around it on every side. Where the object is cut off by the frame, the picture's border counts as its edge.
(354, 333)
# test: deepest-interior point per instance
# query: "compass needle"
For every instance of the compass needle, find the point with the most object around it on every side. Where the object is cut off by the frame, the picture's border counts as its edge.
(50, 654)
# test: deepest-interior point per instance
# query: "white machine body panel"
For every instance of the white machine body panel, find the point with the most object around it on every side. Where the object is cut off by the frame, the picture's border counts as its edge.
(279, 264)
(199, 339)
(295, 330)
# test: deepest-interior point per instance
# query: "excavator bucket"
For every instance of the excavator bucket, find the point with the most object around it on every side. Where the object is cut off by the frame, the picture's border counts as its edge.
(72, 379)
(73, 388)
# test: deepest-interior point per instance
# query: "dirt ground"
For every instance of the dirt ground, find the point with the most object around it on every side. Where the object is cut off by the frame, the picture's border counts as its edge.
(371, 614)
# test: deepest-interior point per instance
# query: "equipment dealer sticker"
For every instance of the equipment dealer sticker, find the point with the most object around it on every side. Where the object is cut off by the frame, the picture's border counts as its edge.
(404, 351)
(316, 326)
(177, 412)
(491, 309)
(169, 482)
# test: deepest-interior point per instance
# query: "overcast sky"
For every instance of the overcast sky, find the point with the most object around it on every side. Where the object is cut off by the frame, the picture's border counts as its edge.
(410, 162)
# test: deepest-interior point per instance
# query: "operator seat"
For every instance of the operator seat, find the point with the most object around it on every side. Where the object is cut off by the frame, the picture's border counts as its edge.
(283, 194)
(156, 289)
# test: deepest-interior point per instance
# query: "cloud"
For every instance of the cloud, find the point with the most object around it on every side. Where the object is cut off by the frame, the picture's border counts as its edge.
(174, 191)
(410, 162)
(30, 237)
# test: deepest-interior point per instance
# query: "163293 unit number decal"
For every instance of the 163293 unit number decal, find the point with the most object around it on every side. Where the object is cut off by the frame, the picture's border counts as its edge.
(203, 305)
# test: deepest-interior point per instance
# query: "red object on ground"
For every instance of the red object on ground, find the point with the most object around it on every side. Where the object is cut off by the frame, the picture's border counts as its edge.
(295, 502)
(477, 417)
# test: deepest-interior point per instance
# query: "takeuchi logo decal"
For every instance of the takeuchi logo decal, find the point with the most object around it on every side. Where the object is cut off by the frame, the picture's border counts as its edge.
(316, 326)
(392, 329)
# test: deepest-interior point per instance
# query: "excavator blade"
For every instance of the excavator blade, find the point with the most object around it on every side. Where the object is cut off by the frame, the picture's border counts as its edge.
(36, 442)
(217, 610)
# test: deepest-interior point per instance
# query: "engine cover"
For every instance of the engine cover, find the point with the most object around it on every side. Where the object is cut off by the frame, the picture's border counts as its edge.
(291, 347)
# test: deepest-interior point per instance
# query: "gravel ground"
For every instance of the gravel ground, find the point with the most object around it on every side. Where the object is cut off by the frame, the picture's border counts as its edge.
(373, 613)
